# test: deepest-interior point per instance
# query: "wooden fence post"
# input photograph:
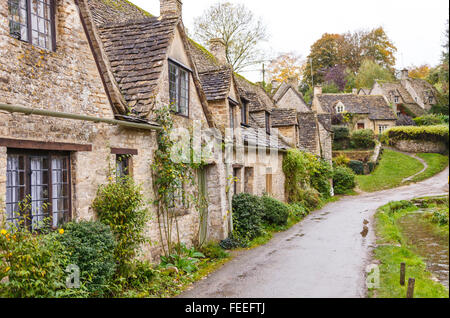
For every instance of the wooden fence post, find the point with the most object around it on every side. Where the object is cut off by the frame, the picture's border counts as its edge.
(411, 284)
(402, 273)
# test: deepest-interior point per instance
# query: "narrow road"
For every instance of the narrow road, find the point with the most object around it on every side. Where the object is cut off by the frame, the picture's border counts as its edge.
(324, 256)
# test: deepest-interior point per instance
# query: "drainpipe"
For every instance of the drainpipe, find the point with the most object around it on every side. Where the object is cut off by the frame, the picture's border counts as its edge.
(48, 113)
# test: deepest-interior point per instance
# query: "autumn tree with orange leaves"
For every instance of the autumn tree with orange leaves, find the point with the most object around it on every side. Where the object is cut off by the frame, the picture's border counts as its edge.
(286, 67)
(420, 72)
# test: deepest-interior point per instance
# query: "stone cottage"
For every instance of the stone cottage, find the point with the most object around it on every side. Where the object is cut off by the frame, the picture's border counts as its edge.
(410, 96)
(238, 105)
(296, 121)
(364, 112)
(77, 94)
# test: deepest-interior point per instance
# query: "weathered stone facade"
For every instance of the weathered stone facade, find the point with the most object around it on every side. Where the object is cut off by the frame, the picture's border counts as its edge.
(418, 146)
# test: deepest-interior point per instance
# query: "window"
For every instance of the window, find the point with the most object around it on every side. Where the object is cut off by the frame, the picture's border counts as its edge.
(122, 165)
(396, 99)
(40, 179)
(232, 108)
(33, 21)
(179, 89)
(244, 114)
(340, 108)
(268, 123)
(430, 100)
(361, 126)
(382, 128)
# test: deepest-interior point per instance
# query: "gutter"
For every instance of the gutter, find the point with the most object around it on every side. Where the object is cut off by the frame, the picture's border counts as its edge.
(54, 114)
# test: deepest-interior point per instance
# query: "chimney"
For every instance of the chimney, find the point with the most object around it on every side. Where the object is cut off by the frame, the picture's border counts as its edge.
(317, 90)
(293, 81)
(219, 50)
(172, 8)
(405, 74)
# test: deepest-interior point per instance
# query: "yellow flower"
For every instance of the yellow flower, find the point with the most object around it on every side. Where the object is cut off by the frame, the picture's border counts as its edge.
(7, 269)
(3, 232)
(61, 231)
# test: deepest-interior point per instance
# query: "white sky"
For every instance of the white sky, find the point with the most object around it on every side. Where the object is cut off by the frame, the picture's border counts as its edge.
(415, 26)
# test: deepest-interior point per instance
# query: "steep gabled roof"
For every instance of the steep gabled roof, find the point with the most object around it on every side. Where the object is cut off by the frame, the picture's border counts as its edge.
(257, 98)
(422, 88)
(216, 84)
(397, 87)
(137, 51)
(283, 89)
(373, 105)
(115, 11)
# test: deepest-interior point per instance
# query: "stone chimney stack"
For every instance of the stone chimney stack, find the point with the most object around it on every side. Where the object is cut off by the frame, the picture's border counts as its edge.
(317, 90)
(172, 8)
(219, 50)
(293, 81)
(405, 74)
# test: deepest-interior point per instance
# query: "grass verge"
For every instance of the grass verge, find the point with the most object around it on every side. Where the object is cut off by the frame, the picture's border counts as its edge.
(394, 167)
(393, 251)
(436, 163)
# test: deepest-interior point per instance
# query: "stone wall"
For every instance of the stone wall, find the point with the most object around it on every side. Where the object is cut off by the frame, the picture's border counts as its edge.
(308, 138)
(417, 146)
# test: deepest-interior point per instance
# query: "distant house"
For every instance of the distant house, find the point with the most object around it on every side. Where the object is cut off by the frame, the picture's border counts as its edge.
(409, 96)
(297, 122)
(367, 112)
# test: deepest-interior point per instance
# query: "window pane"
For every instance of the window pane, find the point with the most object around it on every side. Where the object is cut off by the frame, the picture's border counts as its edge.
(60, 193)
(41, 23)
(39, 190)
(17, 10)
(15, 187)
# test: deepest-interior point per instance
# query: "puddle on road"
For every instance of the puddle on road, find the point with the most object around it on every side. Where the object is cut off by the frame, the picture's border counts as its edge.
(433, 248)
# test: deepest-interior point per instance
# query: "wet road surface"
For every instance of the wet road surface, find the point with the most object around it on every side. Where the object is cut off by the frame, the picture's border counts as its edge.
(324, 256)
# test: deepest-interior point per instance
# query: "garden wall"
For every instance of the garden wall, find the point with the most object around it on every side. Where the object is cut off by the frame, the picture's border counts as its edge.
(419, 146)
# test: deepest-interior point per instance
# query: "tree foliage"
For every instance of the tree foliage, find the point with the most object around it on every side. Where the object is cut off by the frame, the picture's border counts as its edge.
(369, 72)
(285, 67)
(237, 26)
(420, 72)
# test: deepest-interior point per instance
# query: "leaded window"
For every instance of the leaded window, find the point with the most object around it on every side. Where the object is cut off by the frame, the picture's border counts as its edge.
(33, 21)
(179, 89)
(37, 189)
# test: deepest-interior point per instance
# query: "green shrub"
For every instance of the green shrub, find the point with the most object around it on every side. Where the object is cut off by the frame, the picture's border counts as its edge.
(275, 212)
(185, 259)
(372, 166)
(120, 205)
(341, 132)
(91, 247)
(308, 178)
(214, 251)
(344, 180)
(34, 266)
(437, 133)
(247, 215)
(297, 211)
(431, 120)
(357, 166)
(363, 139)
(233, 242)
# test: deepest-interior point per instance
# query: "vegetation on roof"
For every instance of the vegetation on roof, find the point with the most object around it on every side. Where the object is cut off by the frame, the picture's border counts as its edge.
(120, 5)
(204, 50)
(242, 77)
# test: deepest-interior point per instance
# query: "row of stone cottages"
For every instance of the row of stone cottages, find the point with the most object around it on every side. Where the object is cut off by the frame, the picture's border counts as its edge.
(79, 81)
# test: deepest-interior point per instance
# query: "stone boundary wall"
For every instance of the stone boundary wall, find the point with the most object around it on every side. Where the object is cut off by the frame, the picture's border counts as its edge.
(419, 146)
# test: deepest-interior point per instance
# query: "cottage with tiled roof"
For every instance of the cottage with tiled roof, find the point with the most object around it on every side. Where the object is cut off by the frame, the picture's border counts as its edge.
(410, 96)
(368, 112)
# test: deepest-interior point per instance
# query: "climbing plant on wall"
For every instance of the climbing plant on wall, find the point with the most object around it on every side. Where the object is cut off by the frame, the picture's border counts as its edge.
(171, 181)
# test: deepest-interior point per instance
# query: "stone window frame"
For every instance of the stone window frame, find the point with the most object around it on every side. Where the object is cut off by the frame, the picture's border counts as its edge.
(340, 108)
(124, 161)
(25, 7)
(382, 128)
(177, 90)
(24, 175)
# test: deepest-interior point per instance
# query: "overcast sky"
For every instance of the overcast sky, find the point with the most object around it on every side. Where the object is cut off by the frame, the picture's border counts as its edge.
(415, 26)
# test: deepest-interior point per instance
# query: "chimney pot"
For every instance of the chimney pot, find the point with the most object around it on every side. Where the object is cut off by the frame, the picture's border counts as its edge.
(219, 50)
(317, 90)
(172, 8)
(405, 74)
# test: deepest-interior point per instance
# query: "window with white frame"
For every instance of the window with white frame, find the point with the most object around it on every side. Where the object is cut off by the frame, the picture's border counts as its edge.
(382, 128)
(340, 108)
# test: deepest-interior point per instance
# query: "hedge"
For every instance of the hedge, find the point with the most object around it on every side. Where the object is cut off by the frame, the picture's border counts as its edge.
(437, 133)
(357, 166)
(431, 120)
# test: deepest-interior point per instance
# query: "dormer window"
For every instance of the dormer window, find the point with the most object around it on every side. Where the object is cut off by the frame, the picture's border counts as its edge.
(268, 123)
(430, 100)
(179, 89)
(396, 99)
(340, 108)
(33, 21)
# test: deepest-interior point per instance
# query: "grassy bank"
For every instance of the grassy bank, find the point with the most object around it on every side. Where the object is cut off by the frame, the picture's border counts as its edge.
(436, 163)
(393, 168)
(394, 250)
